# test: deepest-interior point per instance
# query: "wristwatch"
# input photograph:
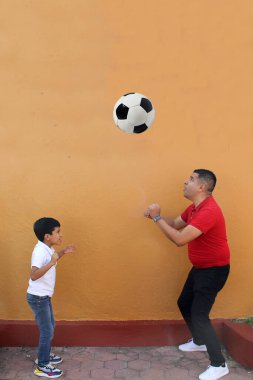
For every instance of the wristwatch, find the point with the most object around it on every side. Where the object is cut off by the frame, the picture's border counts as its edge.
(156, 218)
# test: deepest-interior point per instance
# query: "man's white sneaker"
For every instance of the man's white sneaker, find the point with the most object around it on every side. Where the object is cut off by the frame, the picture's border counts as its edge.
(214, 373)
(191, 346)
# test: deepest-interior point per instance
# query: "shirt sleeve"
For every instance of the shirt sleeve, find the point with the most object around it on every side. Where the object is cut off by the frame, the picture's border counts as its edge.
(185, 213)
(38, 259)
(204, 220)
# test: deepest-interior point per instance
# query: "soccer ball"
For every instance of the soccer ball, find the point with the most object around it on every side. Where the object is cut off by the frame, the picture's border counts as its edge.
(133, 113)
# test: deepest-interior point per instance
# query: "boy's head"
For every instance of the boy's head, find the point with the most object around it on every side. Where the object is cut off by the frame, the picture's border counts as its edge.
(47, 230)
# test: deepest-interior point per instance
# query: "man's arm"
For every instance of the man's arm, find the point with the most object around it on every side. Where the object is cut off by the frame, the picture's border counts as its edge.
(182, 237)
(177, 223)
(177, 231)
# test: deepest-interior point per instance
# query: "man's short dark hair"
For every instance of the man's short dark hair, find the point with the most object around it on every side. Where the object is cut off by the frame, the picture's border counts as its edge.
(208, 177)
(45, 226)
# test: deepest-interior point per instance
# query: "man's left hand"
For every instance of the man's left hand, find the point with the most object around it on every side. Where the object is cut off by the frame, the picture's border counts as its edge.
(154, 210)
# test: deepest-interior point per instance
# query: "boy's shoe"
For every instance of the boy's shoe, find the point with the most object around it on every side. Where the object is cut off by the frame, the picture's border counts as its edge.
(48, 371)
(191, 346)
(214, 373)
(54, 359)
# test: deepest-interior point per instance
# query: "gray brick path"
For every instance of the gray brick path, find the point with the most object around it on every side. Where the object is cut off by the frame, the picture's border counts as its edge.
(117, 363)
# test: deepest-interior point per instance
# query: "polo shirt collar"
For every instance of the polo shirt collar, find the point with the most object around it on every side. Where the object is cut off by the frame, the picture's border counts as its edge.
(203, 203)
(43, 245)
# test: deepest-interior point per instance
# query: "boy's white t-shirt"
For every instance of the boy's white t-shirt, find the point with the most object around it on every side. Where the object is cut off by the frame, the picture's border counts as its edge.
(44, 286)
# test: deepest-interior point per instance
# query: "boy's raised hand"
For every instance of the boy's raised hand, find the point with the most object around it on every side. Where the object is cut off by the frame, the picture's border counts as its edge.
(69, 249)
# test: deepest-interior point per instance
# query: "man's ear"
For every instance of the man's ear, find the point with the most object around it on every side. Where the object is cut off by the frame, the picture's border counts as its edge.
(203, 187)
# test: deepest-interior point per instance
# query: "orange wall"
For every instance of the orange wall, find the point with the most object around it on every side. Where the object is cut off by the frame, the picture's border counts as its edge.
(64, 63)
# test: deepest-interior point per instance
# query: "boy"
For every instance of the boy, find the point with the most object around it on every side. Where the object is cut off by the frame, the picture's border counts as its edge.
(41, 288)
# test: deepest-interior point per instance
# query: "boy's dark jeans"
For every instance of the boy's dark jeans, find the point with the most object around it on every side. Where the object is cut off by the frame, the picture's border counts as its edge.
(195, 303)
(43, 312)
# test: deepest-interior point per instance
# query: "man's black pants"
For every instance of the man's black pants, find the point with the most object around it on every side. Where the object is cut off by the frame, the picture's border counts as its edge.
(195, 303)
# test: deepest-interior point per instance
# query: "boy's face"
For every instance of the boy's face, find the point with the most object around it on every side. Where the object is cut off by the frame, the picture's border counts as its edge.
(55, 238)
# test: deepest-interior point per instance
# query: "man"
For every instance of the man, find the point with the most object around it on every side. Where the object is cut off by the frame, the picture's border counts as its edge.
(202, 227)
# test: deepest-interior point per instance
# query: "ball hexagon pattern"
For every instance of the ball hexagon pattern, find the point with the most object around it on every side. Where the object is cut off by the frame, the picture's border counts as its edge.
(133, 113)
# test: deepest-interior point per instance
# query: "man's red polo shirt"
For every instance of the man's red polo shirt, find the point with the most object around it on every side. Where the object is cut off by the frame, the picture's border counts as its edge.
(211, 248)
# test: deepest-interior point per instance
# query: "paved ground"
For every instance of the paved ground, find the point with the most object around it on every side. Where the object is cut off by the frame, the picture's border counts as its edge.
(120, 363)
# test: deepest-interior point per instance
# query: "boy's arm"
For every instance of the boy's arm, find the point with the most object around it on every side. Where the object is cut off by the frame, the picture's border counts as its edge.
(37, 273)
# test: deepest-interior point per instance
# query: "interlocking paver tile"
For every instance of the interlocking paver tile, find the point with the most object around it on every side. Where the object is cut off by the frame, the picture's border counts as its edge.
(116, 364)
(239, 373)
(103, 356)
(152, 374)
(75, 374)
(160, 365)
(139, 364)
(127, 373)
(87, 363)
(127, 357)
(102, 374)
(145, 356)
(177, 374)
(8, 374)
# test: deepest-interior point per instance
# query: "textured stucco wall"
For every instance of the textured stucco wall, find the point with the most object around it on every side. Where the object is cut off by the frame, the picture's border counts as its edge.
(64, 63)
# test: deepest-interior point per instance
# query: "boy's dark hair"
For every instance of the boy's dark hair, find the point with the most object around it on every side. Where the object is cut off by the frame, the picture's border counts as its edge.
(208, 177)
(45, 226)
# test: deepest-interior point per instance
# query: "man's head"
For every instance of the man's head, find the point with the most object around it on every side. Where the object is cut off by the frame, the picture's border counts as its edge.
(200, 183)
(47, 230)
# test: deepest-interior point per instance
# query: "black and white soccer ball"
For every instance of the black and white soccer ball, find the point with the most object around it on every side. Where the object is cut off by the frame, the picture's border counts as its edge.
(133, 113)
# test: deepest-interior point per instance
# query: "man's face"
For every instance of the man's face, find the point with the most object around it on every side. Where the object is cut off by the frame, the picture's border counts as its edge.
(55, 238)
(192, 186)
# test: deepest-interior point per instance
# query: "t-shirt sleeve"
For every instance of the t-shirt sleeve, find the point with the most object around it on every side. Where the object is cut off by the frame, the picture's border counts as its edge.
(204, 220)
(38, 259)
